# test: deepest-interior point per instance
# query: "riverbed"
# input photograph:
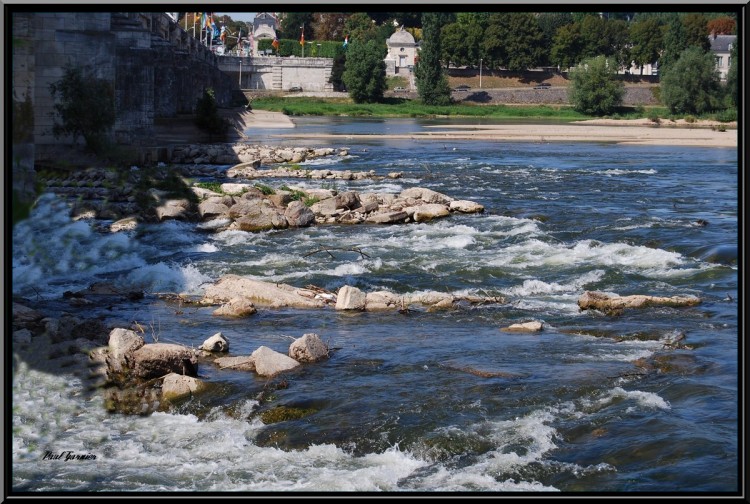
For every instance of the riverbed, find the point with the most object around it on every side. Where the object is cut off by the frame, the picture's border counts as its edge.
(423, 401)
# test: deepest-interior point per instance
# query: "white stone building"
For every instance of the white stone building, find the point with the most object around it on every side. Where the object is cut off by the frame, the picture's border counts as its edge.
(721, 46)
(402, 51)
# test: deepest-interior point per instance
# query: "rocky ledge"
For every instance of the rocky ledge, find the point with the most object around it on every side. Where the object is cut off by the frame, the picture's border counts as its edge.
(249, 208)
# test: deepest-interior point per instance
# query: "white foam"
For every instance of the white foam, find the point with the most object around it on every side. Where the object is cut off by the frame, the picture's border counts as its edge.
(619, 171)
(645, 260)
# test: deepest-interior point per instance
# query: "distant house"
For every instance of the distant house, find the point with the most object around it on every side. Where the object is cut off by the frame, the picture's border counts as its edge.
(721, 46)
(265, 25)
(402, 51)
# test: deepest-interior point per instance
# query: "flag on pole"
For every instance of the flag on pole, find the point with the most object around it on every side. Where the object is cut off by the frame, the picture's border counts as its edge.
(275, 43)
(302, 38)
(346, 40)
(207, 20)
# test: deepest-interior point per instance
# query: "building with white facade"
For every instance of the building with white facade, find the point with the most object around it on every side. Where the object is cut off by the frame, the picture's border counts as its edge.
(402, 51)
(721, 46)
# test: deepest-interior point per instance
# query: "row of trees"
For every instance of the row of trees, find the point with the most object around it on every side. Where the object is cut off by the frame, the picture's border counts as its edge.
(690, 83)
(520, 40)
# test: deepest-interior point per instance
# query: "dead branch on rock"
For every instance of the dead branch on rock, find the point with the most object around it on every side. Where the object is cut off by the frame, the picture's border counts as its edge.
(328, 251)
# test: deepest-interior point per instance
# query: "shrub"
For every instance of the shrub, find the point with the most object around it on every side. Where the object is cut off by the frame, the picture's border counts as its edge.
(691, 84)
(690, 119)
(85, 106)
(207, 114)
(265, 189)
(594, 88)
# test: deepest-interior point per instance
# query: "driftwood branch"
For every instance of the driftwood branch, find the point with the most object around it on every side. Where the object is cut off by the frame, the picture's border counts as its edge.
(328, 251)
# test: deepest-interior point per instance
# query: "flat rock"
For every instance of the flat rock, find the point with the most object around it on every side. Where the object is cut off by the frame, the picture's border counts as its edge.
(270, 362)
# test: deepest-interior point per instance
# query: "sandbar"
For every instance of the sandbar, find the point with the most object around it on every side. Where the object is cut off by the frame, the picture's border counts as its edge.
(629, 132)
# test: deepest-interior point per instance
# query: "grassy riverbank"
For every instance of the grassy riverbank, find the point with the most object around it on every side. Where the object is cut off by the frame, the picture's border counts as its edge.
(402, 107)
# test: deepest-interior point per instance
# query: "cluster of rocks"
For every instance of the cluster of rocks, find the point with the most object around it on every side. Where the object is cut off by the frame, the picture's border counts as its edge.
(251, 171)
(232, 154)
(247, 208)
(238, 296)
(139, 376)
(614, 304)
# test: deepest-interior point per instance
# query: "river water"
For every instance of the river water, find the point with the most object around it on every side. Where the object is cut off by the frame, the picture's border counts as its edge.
(426, 401)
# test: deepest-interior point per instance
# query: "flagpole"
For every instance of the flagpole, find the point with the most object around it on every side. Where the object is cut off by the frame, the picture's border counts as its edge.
(303, 40)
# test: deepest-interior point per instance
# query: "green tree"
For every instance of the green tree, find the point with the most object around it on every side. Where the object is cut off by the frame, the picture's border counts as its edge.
(522, 40)
(364, 74)
(567, 47)
(696, 30)
(337, 70)
(432, 85)
(360, 27)
(85, 106)
(674, 42)
(594, 88)
(461, 43)
(732, 84)
(691, 85)
(646, 37)
(291, 23)
(595, 40)
(549, 23)
(478, 19)
(513, 40)
(207, 115)
(618, 35)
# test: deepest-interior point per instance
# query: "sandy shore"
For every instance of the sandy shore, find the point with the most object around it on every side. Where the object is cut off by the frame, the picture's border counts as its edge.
(633, 132)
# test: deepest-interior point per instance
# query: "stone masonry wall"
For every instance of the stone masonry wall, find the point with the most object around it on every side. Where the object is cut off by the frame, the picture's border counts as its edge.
(156, 68)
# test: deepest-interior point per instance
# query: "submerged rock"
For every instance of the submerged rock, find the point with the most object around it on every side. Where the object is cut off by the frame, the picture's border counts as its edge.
(308, 348)
(533, 326)
(240, 363)
(613, 303)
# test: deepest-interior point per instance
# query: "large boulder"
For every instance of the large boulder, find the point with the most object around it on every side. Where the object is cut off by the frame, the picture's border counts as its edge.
(299, 215)
(213, 208)
(24, 316)
(424, 213)
(176, 386)
(614, 303)
(384, 301)
(426, 195)
(465, 206)
(158, 359)
(178, 209)
(236, 307)
(308, 348)
(387, 217)
(350, 298)
(240, 363)
(431, 299)
(267, 294)
(122, 344)
(216, 343)
(270, 362)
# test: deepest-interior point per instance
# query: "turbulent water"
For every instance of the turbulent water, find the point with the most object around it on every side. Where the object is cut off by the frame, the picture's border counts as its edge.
(440, 401)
